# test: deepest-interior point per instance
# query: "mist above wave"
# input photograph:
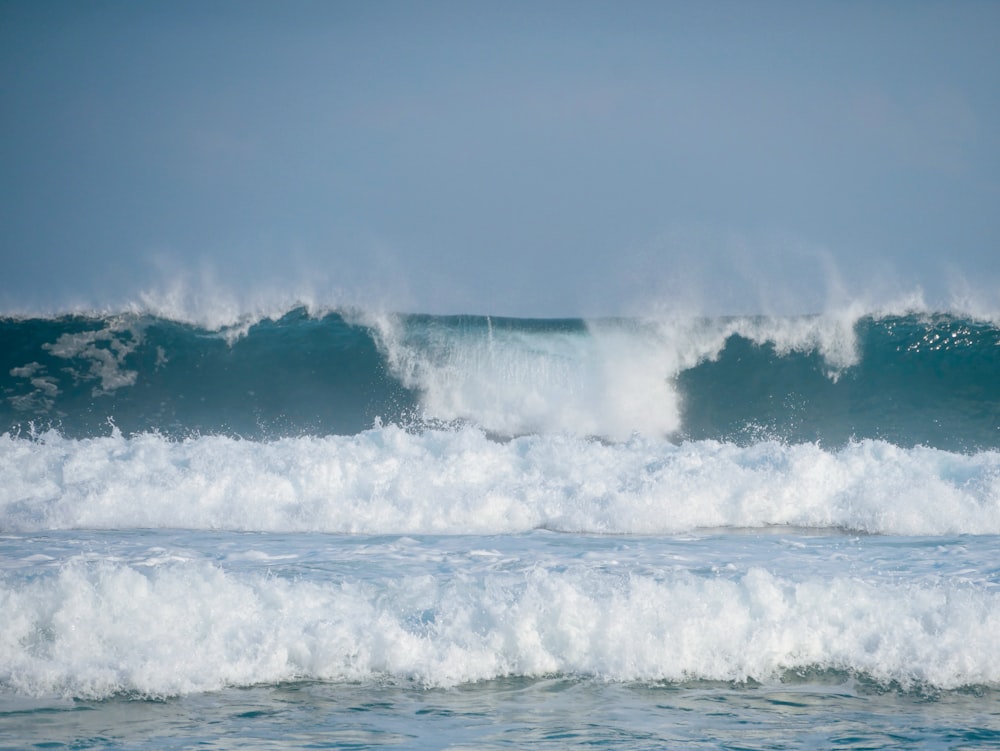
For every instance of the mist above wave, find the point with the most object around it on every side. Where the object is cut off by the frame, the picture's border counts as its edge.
(215, 299)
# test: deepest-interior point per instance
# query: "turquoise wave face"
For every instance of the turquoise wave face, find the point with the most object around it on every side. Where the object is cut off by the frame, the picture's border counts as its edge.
(934, 382)
(930, 380)
(297, 375)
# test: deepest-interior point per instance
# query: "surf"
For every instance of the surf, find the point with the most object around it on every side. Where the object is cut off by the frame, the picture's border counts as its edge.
(168, 617)
(389, 480)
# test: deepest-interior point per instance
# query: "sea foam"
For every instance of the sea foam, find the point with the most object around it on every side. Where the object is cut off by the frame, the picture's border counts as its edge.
(389, 480)
(97, 628)
(609, 378)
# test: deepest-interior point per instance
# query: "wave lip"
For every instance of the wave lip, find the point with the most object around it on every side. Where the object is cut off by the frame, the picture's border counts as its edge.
(391, 481)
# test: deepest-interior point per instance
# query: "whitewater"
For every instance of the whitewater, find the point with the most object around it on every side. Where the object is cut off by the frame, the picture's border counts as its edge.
(348, 528)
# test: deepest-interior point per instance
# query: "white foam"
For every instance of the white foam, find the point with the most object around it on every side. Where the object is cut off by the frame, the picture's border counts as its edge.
(106, 363)
(96, 629)
(388, 480)
(45, 388)
(611, 379)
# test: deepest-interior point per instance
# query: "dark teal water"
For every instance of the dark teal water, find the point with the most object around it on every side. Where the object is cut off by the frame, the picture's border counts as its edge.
(929, 381)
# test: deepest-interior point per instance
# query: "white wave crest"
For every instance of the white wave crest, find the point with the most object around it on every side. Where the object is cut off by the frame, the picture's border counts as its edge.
(387, 480)
(97, 629)
(612, 378)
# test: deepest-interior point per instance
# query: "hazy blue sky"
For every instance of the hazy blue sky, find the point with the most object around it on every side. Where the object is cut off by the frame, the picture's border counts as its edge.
(537, 158)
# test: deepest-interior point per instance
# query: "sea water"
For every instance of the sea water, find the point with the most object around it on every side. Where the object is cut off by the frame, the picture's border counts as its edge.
(340, 529)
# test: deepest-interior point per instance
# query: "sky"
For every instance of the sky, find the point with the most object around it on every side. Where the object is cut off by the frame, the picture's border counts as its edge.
(515, 158)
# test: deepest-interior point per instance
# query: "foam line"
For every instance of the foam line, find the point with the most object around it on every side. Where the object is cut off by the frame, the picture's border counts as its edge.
(388, 480)
(97, 629)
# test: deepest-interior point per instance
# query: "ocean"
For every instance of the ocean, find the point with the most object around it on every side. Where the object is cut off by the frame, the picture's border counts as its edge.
(335, 528)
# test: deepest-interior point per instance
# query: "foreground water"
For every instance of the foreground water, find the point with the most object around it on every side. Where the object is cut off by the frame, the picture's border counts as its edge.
(517, 713)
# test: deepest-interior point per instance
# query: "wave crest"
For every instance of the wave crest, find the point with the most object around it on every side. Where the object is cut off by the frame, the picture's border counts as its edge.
(390, 481)
(102, 629)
